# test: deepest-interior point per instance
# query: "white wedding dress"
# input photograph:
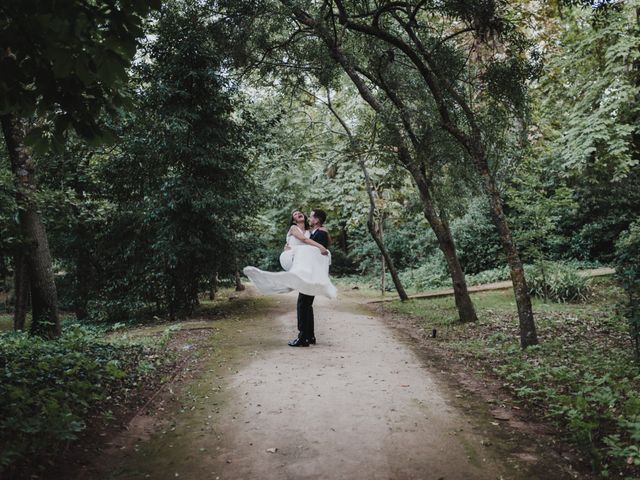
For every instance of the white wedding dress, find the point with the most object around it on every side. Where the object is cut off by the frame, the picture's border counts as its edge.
(306, 270)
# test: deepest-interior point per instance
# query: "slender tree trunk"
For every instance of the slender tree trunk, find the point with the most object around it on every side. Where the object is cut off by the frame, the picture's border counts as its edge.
(378, 238)
(437, 221)
(343, 240)
(382, 266)
(375, 234)
(528, 334)
(214, 286)
(21, 291)
(44, 298)
(466, 310)
(83, 278)
(440, 227)
(465, 305)
(239, 286)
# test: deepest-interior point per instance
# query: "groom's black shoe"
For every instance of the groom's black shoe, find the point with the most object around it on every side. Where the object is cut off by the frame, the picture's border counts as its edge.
(298, 342)
(312, 341)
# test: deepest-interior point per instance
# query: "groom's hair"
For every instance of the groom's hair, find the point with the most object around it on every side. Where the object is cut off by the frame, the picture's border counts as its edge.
(320, 215)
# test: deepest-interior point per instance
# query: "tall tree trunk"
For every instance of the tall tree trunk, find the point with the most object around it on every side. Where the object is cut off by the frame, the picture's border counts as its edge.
(239, 286)
(21, 291)
(375, 234)
(440, 227)
(213, 288)
(528, 333)
(44, 298)
(437, 221)
(343, 239)
(378, 238)
(83, 277)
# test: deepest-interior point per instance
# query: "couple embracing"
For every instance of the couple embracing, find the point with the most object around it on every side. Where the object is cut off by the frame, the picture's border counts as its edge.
(305, 261)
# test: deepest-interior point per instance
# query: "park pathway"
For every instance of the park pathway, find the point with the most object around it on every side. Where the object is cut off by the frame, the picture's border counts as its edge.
(358, 405)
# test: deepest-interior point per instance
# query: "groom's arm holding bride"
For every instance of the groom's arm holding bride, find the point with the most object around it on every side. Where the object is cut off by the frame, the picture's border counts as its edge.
(296, 233)
(321, 236)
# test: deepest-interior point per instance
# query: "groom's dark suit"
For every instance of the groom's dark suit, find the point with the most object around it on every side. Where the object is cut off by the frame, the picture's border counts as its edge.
(305, 302)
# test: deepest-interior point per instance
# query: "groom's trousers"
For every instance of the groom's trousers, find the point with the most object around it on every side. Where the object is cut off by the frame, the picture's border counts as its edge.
(305, 316)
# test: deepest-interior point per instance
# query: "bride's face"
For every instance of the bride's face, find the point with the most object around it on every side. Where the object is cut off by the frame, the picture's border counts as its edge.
(298, 216)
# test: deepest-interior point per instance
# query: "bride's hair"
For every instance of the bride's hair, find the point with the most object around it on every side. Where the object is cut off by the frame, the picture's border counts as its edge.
(306, 220)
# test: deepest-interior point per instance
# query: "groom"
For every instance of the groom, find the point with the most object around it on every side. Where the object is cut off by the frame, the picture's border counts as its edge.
(306, 334)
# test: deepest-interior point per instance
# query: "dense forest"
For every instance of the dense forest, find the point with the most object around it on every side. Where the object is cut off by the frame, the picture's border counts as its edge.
(153, 149)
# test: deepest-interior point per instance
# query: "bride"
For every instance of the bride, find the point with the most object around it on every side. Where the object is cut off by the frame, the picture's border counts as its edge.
(305, 261)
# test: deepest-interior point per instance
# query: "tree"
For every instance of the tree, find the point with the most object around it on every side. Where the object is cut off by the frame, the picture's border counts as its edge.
(62, 65)
(197, 189)
(395, 25)
(374, 231)
(586, 111)
(417, 168)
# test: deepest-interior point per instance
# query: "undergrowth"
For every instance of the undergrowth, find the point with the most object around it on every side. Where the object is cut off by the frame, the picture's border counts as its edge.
(51, 388)
(582, 376)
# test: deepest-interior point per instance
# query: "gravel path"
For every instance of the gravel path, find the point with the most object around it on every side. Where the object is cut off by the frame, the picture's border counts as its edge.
(358, 405)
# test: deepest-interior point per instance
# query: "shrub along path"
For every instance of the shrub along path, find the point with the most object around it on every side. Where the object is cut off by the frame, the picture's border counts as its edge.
(594, 272)
(361, 404)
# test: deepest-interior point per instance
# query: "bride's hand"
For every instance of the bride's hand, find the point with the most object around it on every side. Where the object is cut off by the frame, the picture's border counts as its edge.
(324, 251)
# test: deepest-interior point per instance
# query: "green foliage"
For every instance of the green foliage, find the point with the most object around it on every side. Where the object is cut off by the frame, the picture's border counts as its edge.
(50, 388)
(556, 282)
(625, 447)
(586, 403)
(506, 82)
(628, 272)
(477, 242)
(143, 227)
(430, 275)
(584, 136)
(67, 61)
(492, 275)
(9, 232)
(539, 203)
(595, 111)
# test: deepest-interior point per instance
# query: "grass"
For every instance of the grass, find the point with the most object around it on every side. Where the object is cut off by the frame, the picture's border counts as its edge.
(582, 376)
(210, 308)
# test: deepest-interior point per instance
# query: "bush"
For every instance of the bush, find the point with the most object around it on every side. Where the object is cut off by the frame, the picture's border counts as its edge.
(499, 274)
(341, 263)
(627, 259)
(50, 387)
(477, 240)
(432, 274)
(556, 282)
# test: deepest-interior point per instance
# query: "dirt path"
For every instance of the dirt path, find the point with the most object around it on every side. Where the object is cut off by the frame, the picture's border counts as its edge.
(358, 405)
